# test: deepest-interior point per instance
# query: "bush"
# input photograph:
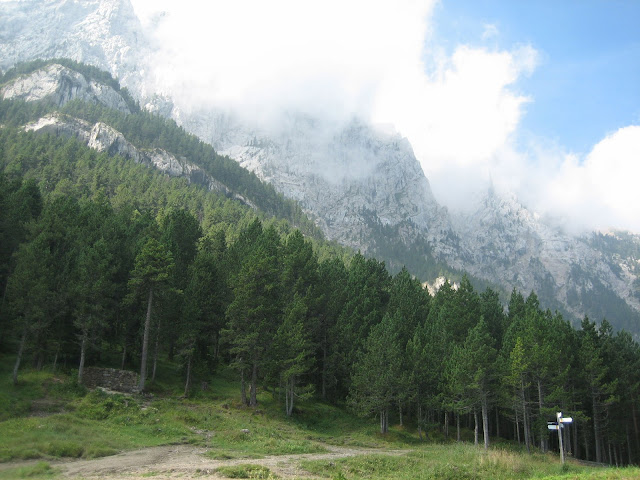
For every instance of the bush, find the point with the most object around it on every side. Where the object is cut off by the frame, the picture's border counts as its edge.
(245, 471)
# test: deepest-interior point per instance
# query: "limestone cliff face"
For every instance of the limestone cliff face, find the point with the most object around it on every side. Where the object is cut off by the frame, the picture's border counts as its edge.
(503, 241)
(58, 84)
(103, 138)
(344, 176)
(104, 33)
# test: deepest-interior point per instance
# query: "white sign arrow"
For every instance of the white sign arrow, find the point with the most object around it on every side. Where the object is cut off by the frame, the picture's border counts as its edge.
(566, 419)
(553, 427)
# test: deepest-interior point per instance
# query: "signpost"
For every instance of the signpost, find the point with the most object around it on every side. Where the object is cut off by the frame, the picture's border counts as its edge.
(559, 425)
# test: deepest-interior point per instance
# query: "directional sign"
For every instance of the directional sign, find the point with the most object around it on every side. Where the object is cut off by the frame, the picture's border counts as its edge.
(559, 425)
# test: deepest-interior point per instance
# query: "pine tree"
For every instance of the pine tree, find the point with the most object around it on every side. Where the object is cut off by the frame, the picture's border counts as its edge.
(152, 270)
(255, 311)
(292, 353)
(374, 387)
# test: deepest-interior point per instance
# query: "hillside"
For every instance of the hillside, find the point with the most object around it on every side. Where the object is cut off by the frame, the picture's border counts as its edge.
(93, 434)
(129, 243)
(52, 97)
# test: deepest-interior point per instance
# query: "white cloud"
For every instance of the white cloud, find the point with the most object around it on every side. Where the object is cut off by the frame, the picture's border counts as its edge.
(325, 58)
(490, 31)
(603, 190)
(378, 59)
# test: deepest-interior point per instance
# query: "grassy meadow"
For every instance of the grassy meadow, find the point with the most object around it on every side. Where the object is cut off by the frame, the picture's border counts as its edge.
(48, 417)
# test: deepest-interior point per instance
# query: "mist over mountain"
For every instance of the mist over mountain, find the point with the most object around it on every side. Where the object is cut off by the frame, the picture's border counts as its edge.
(361, 181)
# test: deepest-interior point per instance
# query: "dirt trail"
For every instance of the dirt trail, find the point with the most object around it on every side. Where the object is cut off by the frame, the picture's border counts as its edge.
(188, 462)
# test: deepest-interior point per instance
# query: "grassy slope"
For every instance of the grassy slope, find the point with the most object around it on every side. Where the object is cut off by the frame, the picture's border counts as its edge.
(48, 417)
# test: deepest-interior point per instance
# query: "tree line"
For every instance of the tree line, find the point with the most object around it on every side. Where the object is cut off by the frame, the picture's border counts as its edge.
(84, 281)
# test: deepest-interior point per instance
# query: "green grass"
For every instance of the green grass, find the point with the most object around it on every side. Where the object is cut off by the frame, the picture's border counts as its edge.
(47, 416)
(38, 471)
(246, 471)
(16, 401)
(460, 462)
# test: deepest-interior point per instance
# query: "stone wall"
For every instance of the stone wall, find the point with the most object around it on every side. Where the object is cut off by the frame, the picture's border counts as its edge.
(110, 378)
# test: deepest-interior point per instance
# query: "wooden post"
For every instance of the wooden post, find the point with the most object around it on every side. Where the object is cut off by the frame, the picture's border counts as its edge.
(560, 430)
(559, 426)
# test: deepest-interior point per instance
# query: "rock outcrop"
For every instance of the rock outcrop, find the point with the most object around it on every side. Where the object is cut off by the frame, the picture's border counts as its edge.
(103, 138)
(104, 33)
(59, 85)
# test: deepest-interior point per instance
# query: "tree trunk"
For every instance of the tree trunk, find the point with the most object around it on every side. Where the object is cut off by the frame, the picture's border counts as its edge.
(216, 345)
(243, 388)
(124, 354)
(291, 383)
(253, 395)
(155, 353)
(384, 421)
(83, 350)
(324, 368)
(145, 342)
(596, 428)
(485, 421)
(586, 444)
(635, 426)
(457, 427)
(497, 423)
(400, 412)
(286, 400)
(515, 409)
(446, 425)
(419, 418)
(524, 417)
(543, 429)
(187, 384)
(475, 428)
(23, 340)
(55, 358)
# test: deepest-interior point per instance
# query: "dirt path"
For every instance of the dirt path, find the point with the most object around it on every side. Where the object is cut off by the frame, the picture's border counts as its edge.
(188, 462)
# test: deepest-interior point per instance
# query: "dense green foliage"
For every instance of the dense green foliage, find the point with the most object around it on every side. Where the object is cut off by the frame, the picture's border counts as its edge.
(291, 323)
(103, 259)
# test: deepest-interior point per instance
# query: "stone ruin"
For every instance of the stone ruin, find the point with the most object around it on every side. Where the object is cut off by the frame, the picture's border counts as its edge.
(124, 381)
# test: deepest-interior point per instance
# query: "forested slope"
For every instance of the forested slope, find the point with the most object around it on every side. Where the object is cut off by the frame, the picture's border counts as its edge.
(105, 258)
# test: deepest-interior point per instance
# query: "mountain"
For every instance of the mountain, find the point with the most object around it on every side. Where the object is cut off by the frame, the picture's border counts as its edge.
(340, 173)
(361, 183)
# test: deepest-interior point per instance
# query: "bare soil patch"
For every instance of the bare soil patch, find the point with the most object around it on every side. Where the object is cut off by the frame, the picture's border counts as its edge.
(189, 462)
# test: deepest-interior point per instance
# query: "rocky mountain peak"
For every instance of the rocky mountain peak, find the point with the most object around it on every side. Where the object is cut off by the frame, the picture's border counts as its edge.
(339, 174)
(104, 33)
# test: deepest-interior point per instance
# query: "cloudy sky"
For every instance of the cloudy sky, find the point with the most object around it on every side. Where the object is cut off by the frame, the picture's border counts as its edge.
(539, 97)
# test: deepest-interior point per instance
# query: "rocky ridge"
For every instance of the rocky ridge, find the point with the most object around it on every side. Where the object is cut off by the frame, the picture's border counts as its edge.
(103, 138)
(505, 241)
(59, 85)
